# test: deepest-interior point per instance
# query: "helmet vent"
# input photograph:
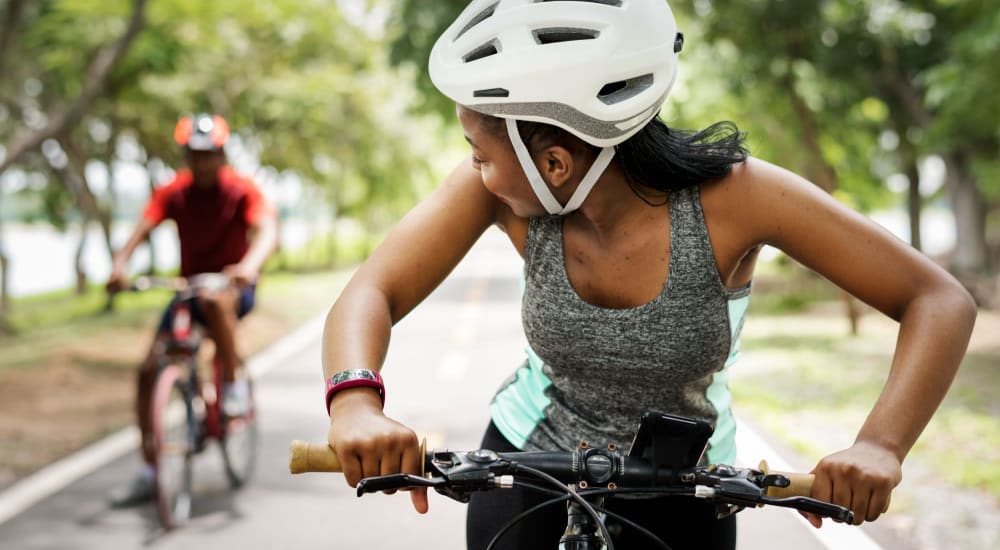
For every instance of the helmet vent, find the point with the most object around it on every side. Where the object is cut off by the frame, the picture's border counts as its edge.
(492, 92)
(554, 35)
(485, 50)
(616, 92)
(479, 18)
(616, 3)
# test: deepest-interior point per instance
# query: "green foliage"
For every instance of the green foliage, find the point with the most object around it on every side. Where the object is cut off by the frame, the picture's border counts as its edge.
(308, 92)
(961, 92)
(415, 25)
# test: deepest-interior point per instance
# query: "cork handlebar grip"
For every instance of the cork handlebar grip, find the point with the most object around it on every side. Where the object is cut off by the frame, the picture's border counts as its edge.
(800, 486)
(312, 457)
(320, 457)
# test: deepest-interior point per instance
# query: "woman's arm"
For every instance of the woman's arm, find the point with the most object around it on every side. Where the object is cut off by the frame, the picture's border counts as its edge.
(935, 314)
(416, 256)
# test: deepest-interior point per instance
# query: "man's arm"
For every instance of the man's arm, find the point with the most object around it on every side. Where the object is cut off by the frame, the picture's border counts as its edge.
(119, 264)
(264, 241)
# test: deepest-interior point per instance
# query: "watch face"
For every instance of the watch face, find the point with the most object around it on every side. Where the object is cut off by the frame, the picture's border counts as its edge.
(353, 374)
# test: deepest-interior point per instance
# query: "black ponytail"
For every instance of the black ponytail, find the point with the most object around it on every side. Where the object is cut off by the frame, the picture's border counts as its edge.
(665, 160)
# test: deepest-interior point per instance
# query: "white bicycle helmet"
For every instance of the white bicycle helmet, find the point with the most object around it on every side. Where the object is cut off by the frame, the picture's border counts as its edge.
(599, 69)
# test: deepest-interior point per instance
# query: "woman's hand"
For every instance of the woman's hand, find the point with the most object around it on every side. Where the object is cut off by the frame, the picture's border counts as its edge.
(369, 444)
(860, 478)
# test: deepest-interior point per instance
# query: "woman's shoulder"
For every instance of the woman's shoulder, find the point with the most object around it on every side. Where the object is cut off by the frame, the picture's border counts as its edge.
(754, 185)
(756, 199)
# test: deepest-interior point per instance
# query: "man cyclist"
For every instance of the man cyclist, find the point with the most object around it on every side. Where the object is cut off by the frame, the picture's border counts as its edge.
(224, 224)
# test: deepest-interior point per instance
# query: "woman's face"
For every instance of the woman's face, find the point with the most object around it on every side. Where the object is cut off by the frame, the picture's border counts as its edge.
(493, 156)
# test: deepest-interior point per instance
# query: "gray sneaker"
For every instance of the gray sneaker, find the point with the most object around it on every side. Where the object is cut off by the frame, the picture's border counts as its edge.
(139, 490)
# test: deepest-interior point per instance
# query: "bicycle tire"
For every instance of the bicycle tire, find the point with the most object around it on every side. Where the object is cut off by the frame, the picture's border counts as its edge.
(239, 441)
(175, 430)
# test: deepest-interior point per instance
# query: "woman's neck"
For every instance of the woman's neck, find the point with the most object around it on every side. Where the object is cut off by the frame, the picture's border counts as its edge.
(612, 207)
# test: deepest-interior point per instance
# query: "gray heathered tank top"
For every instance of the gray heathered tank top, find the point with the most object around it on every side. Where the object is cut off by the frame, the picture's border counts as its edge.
(593, 371)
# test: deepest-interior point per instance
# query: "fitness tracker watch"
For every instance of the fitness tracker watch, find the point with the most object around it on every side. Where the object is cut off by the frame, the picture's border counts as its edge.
(354, 378)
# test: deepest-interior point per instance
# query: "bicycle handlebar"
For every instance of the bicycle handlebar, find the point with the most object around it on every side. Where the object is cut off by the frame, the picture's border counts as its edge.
(305, 457)
(201, 281)
(456, 474)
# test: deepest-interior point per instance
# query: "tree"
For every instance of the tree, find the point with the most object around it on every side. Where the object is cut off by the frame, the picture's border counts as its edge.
(308, 92)
(963, 121)
(37, 123)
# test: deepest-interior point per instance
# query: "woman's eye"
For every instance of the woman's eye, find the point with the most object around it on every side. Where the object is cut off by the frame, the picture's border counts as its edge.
(476, 161)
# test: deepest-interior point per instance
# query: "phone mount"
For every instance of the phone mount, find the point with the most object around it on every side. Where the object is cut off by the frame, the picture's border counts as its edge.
(671, 441)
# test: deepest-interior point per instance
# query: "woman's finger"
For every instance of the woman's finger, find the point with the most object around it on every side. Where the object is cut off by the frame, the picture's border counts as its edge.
(390, 464)
(842, 494)
(350, 464)
(860, 504)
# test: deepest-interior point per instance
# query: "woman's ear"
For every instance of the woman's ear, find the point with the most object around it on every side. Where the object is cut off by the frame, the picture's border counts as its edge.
(556, 165)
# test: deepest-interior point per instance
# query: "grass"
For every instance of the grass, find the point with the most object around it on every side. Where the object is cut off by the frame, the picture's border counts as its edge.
(44, 323)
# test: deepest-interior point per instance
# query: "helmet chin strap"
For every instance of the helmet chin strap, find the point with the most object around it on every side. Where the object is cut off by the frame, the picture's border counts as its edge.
(538, 184)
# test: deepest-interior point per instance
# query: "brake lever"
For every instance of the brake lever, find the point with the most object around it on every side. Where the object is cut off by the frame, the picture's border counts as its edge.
(811, 505)
(397, 481)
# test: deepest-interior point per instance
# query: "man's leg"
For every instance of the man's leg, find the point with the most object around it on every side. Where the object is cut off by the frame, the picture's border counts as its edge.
(220, 311)
(140, 488)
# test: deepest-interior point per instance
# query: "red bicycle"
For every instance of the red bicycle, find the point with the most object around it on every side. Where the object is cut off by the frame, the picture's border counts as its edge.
(186, 410)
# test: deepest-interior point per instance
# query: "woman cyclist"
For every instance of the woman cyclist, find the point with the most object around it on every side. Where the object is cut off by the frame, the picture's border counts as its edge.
(639, 244)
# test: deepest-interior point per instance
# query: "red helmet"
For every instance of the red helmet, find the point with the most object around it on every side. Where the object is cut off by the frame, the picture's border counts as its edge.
(202, 132)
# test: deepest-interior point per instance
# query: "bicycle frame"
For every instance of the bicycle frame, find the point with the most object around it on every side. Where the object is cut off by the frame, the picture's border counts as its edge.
(183, 345)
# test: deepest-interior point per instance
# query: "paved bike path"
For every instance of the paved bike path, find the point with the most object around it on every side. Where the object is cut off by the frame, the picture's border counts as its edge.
(446, 360)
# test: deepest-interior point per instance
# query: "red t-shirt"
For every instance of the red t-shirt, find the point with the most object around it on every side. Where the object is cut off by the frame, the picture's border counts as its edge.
(212, 224)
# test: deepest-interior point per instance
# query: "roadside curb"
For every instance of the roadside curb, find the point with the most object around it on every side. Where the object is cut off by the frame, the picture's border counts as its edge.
(56, 476)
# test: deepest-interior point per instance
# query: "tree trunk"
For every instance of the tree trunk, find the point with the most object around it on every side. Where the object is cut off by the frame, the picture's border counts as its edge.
(86, 200)
(4, 291)
(915, 203)
(78, 267)
(851, 307)
(822, 174)
(4, 278)
(11, 22)
(971, 256)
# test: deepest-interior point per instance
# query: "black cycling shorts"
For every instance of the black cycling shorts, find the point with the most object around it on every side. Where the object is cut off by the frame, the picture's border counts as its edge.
(246, 303)
(682, 522)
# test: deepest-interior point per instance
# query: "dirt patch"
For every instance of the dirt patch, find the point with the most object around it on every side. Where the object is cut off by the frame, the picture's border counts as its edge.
(55, 409)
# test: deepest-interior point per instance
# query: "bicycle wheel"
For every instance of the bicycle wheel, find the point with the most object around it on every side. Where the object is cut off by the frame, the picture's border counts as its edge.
(239, 444)
(174, 433)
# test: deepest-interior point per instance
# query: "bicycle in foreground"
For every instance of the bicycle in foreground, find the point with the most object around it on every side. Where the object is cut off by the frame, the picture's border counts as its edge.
(662, 461)
(185, 408)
